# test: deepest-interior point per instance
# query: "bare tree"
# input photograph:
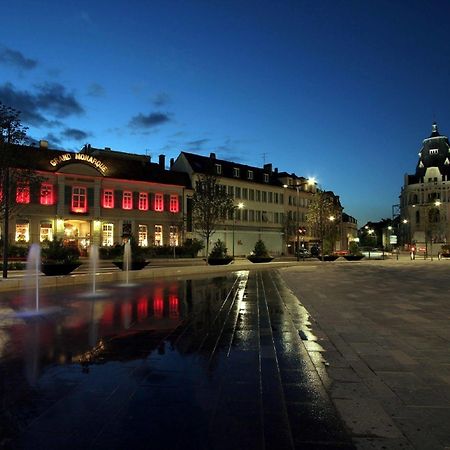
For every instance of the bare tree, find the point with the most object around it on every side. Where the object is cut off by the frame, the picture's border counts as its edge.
(210, 205)
(13, 169)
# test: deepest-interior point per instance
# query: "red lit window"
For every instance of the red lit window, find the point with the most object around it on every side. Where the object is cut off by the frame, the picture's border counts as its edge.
(127, 200)
(79, 199)
(23, 193)
(108, 198)
(143, 201)
(174, 207)
(159, 202)
(47, 194)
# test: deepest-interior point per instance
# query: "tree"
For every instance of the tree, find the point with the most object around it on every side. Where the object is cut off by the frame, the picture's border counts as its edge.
(322, 219)
(210, 206)
(13, 169)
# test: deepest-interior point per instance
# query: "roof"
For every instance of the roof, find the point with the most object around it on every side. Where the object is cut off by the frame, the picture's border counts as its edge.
(205, 164)
(126, 167)
(435, 152)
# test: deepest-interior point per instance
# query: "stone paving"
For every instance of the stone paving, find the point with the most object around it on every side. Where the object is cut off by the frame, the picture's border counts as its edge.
(316, 355)
(382, 347)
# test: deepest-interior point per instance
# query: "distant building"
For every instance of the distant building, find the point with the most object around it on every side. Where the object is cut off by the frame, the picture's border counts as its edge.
(424, 199)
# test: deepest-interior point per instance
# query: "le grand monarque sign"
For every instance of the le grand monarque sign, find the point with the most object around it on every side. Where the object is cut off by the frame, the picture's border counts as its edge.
(79, 157)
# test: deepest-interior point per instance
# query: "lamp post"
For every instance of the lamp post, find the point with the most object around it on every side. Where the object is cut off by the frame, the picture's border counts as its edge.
(239, 206)
(297, 232)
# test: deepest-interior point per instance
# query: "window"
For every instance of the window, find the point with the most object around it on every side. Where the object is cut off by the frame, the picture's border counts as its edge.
(264, 196)
(434, 151)
(46, 232)
(250, 174)
(79, 199)
(23, 232)
(245, 193)
(127, 200)
(108, 198)
(231, 190)
(245, 215)
(218, 169)
(237, 192)
(275, 197)
(251, 215)
(143, 201)
(270, 197)
(142, 236)
(258, 216)
(266, 178)
(173, 236)
(258, 196)
(236, 172)
(159, 202)
(158, 235)
(107, 235)
(23, 194)
(46, 194)
(251, 195)
(174, 206)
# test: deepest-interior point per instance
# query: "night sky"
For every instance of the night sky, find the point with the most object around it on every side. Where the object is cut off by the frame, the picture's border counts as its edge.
(344, 91)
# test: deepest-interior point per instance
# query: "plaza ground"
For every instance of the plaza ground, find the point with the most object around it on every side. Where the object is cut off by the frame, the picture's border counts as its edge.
(301, 355)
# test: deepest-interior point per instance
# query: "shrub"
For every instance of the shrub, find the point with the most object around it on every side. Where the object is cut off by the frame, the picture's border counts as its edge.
(260, 249)
(219, 250)
(353, 248)
(56, 251)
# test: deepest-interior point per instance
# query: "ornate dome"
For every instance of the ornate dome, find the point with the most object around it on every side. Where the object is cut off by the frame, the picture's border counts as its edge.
(435, 152)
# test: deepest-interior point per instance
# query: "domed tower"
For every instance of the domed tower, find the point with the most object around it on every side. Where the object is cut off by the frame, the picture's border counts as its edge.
(425, 196)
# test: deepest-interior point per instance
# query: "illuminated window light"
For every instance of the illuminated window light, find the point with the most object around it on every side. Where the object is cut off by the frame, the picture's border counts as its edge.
(79, 199)
(47, 194)
(143, 201)
(159, 202)
(23, 194)
(127, 200)
(174, 204)
(108, 198)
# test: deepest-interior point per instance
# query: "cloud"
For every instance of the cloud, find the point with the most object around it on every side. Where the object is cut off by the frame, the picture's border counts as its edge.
(15, 58)
(149, 121)
(161, 99)
(53, 140)
(49, 98)
(54, 98)
(197, 144)
(96, 90)
(77, 135)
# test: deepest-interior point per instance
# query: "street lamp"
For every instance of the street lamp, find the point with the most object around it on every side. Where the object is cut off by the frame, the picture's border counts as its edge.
(239, 206)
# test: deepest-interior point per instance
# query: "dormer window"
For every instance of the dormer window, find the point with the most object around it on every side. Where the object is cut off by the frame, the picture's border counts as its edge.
(266, 178)
(236, 172)
(218, 169)
(250, 174)
(434, 151)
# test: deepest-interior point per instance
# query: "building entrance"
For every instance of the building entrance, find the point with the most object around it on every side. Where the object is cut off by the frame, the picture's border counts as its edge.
(77, 233)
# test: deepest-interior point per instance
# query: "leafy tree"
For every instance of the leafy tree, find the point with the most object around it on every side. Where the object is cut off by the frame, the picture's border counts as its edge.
(13, 169)
(323, 212)
(219, 250)
(210, 205)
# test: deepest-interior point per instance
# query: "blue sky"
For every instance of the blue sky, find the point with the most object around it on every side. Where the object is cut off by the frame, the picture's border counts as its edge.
(344, 91)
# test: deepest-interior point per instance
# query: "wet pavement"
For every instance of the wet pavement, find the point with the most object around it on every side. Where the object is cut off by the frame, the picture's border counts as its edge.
(213, 363)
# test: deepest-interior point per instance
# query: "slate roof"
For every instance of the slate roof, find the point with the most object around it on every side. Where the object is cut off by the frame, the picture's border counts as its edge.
(205, 164)
(124, 166)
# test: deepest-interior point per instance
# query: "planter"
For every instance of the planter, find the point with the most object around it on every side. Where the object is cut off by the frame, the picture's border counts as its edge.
(328, 257)
(135, 265)
(259, 259)
(353, 257)
(443, 255)
(52, 269)
(219, 261)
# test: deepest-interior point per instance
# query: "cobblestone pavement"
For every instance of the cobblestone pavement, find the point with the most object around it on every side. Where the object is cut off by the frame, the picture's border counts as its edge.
(382, 347)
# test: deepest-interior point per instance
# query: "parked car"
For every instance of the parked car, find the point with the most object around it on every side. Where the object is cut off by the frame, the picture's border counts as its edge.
(303, 253)
(373, 253)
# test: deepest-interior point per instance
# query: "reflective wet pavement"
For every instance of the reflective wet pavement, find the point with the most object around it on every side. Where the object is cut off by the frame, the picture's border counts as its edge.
(212, 363)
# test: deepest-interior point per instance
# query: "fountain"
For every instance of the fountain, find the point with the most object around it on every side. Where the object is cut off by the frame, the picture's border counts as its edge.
(93, 264)
(31, 284)
(127, 261)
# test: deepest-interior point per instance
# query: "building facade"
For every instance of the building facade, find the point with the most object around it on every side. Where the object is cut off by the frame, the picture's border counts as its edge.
(425, 196)
(97, 196)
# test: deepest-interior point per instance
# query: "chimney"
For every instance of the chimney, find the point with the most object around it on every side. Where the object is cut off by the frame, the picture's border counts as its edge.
(275, 170)
(162, 161)
(171, 162)
(43, 144)
(268, 167)
(212, 155)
